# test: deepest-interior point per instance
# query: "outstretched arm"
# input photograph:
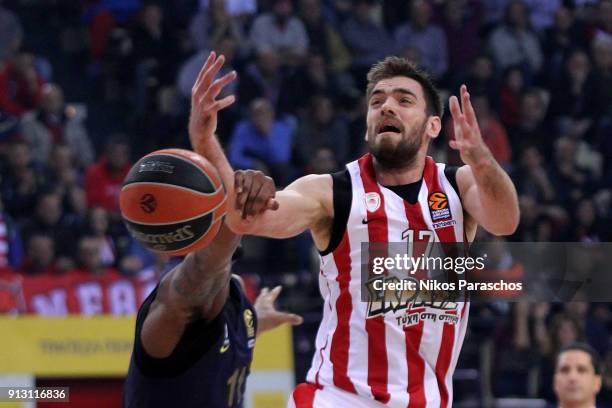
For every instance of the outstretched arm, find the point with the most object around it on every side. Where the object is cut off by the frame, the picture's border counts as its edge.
(305, 204)
(196, 289)
(487, 192)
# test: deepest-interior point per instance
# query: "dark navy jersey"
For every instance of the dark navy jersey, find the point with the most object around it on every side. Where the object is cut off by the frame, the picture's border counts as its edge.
(208, 367)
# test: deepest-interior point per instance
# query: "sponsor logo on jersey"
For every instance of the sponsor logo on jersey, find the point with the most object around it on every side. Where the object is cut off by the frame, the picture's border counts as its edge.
(249, 323)
(226, 342)
(438, 207)
(372, 201)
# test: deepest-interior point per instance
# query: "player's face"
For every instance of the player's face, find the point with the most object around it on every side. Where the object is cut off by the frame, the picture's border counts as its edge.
(397, 122)
(575, 378)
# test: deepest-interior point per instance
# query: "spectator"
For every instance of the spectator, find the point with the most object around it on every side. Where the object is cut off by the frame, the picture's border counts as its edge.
(570, 180)
(531, 177)
(480, 79)
(21, 180)
(311, 80)
(11, 34)
(55, 122)
(532, 128)
(20, 85)
(155, 56)
(542, 13)
(213, 23)
(427, 38)
(324, 161)
(577, 379)
(462, 21)
(261, 79)
(588, 225)
(236, 8)
(602, 79)
(322, 128)
(105, 177)
(510, 97)
(281, 32)
(603, 29)
(11, 249)
(40, 255)
(98, 227)
(367, 41)
(513, 43)
(67, 181)
(89, 260)
(566, 34)
(323, 37)
(570, 104)
(263, 142)
(48, 219)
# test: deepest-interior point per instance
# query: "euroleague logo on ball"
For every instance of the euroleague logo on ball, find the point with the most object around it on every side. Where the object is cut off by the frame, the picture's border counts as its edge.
(148, 203)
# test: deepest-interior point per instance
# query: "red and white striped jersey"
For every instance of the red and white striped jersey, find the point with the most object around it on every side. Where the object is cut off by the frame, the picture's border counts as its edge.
(400, 358)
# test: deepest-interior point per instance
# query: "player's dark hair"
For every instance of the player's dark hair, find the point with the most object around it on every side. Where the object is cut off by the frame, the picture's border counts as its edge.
(579, 346)
(395, 66)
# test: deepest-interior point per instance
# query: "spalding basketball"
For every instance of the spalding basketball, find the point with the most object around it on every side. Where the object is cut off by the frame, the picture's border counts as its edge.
(173, 201)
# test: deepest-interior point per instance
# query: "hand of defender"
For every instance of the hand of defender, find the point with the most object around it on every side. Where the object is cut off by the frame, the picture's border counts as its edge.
(204, 105)
(254, 193)
(267, 316)
(468, 139)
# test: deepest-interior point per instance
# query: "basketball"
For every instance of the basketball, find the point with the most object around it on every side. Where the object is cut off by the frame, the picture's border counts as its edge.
(173, 201)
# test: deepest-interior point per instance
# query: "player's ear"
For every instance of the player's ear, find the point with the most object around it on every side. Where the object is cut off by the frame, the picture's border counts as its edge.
(366, 136)
(434, 125)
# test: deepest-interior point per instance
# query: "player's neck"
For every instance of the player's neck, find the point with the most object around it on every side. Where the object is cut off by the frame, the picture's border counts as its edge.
(401, 176)
(587, 404)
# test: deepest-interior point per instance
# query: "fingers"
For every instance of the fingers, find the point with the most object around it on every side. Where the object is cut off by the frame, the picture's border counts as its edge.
(454, 145)
(222, 103)
(205, 68)
(275, 292)
(457, 116)
(271, 204)
(241, 198)
(255, 201)
(209, 76)
(218, 85)
(290, 318)
(238, 180)
(468, 109)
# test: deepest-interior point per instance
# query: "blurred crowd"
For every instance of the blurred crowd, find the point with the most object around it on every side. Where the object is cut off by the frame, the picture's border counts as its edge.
(87, 87)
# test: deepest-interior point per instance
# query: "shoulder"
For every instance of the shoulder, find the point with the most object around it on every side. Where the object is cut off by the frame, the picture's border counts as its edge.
(465, 178)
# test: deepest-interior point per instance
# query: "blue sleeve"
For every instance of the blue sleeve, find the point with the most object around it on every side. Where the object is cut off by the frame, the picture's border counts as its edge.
(15, 248)
(281, 143)
(240, 140)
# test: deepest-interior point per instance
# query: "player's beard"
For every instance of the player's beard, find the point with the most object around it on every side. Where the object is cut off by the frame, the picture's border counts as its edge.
(401, 155)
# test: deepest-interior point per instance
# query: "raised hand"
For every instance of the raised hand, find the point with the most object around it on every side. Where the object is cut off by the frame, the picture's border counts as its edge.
(204, 105)
(267, 316)
(468, 139)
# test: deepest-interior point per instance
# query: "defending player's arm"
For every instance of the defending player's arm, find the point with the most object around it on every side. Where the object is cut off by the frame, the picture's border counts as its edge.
(196, 289)
(487, 192)
(310, 196)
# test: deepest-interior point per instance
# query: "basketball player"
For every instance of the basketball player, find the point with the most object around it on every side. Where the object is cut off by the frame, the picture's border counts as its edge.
(577, 376)
(394, 193)
(195, 333)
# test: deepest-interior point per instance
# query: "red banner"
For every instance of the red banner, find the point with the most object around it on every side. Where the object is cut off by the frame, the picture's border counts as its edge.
(74, 293)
